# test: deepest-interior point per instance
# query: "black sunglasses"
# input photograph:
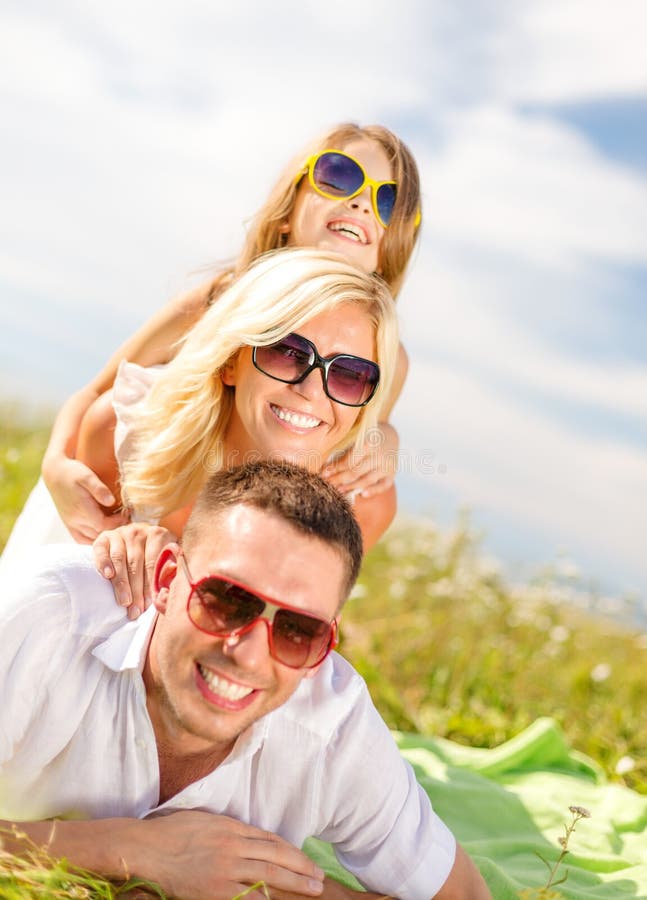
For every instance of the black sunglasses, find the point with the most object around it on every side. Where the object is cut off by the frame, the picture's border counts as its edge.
(349, 380)
(222, 607)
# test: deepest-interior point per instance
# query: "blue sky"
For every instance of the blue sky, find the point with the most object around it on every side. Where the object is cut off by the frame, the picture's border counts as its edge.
(138, 139)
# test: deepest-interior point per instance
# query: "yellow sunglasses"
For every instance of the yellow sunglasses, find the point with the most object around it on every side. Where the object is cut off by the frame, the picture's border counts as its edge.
(335, 174)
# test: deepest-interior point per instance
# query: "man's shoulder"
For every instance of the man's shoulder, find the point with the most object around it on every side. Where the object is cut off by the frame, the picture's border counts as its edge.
(64, 576)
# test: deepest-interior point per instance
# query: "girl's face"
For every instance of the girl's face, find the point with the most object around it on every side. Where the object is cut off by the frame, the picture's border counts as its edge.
(297, 422)
(346, 226)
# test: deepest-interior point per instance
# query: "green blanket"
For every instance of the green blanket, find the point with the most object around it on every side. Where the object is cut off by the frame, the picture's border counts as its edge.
(508, 806)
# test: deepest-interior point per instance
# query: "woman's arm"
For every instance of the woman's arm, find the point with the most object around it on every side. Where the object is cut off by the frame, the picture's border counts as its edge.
(375, 514)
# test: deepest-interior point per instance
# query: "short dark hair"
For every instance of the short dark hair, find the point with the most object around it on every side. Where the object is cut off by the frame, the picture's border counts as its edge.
(311, 505)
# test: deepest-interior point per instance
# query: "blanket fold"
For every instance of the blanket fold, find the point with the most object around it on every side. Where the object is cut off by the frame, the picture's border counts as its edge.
(509, 805)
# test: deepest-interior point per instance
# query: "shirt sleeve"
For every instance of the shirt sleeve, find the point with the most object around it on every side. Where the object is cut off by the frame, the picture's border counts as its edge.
(379, 819)
(34, 614)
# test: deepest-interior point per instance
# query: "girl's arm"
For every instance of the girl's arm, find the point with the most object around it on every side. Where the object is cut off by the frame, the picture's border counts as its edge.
(79, 492)
(370, 470)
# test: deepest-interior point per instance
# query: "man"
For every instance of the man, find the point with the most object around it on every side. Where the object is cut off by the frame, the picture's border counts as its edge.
(201, 744)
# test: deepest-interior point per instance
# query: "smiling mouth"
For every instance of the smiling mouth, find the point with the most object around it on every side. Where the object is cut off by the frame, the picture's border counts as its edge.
(223, 687)
(299, 420)
(350, 231)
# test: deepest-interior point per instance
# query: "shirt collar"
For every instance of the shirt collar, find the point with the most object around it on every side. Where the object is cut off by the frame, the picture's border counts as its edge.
(127, 646)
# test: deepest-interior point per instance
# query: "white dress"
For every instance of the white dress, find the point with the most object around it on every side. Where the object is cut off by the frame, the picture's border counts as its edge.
(39, 522)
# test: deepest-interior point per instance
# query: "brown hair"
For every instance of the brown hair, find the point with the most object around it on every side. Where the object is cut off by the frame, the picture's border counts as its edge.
(304, 500)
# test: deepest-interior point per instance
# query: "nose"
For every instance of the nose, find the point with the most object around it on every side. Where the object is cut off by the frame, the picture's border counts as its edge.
(362, 201)
(250, 650)
(312, 386)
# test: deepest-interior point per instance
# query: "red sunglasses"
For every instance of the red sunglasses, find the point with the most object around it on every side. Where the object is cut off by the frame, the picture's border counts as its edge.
(222, 607)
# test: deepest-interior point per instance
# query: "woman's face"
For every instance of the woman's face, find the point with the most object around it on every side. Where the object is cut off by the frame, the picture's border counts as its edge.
(346, 226)
(297, 422)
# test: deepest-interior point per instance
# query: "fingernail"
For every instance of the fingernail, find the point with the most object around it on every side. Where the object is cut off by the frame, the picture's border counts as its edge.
(124, 600)
(133, 612)
(108, 571)
(316, 886)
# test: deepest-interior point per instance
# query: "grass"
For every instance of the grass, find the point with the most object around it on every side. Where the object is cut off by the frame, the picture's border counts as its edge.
(21, 450)
(450, 648)
(36, 876)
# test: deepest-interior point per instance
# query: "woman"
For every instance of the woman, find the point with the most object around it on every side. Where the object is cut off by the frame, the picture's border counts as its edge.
(291, 363)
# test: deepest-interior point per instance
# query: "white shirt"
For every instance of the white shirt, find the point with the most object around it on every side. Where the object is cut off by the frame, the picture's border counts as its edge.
(76, 739)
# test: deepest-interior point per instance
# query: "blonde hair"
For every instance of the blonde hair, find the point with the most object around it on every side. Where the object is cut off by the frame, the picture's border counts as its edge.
(178, 439)
(266, 231)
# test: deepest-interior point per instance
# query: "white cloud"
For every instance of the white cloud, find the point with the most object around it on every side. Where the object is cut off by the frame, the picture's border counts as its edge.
(535, 188)
(453, 314)
(587, 492)
(575, 51)
(39, 62)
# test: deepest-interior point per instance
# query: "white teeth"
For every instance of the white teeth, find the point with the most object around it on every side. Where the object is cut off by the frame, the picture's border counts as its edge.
(298, 419)
(224, 688)
(349, 230)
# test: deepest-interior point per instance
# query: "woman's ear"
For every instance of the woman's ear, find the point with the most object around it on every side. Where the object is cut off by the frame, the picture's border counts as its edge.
(165, 572)
(229, 370)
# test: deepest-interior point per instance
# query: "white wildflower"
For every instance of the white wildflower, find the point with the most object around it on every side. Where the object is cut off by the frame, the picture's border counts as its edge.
(559, 634)
(600, 672)
(625, 764)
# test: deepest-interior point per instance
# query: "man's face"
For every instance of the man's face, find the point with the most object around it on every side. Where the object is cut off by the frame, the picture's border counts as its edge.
(203, 691)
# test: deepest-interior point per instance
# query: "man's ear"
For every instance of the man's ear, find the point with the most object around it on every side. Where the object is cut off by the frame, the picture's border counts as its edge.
(165, 572)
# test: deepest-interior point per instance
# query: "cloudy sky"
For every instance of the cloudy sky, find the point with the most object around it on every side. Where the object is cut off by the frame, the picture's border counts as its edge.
(137, 138)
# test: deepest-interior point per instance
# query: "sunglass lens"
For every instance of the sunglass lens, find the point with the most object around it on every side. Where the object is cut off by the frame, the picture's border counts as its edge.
(385, 202)
(337, 174)
(286, 360)
(299, 640)
(224, 607)
(352, 380)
